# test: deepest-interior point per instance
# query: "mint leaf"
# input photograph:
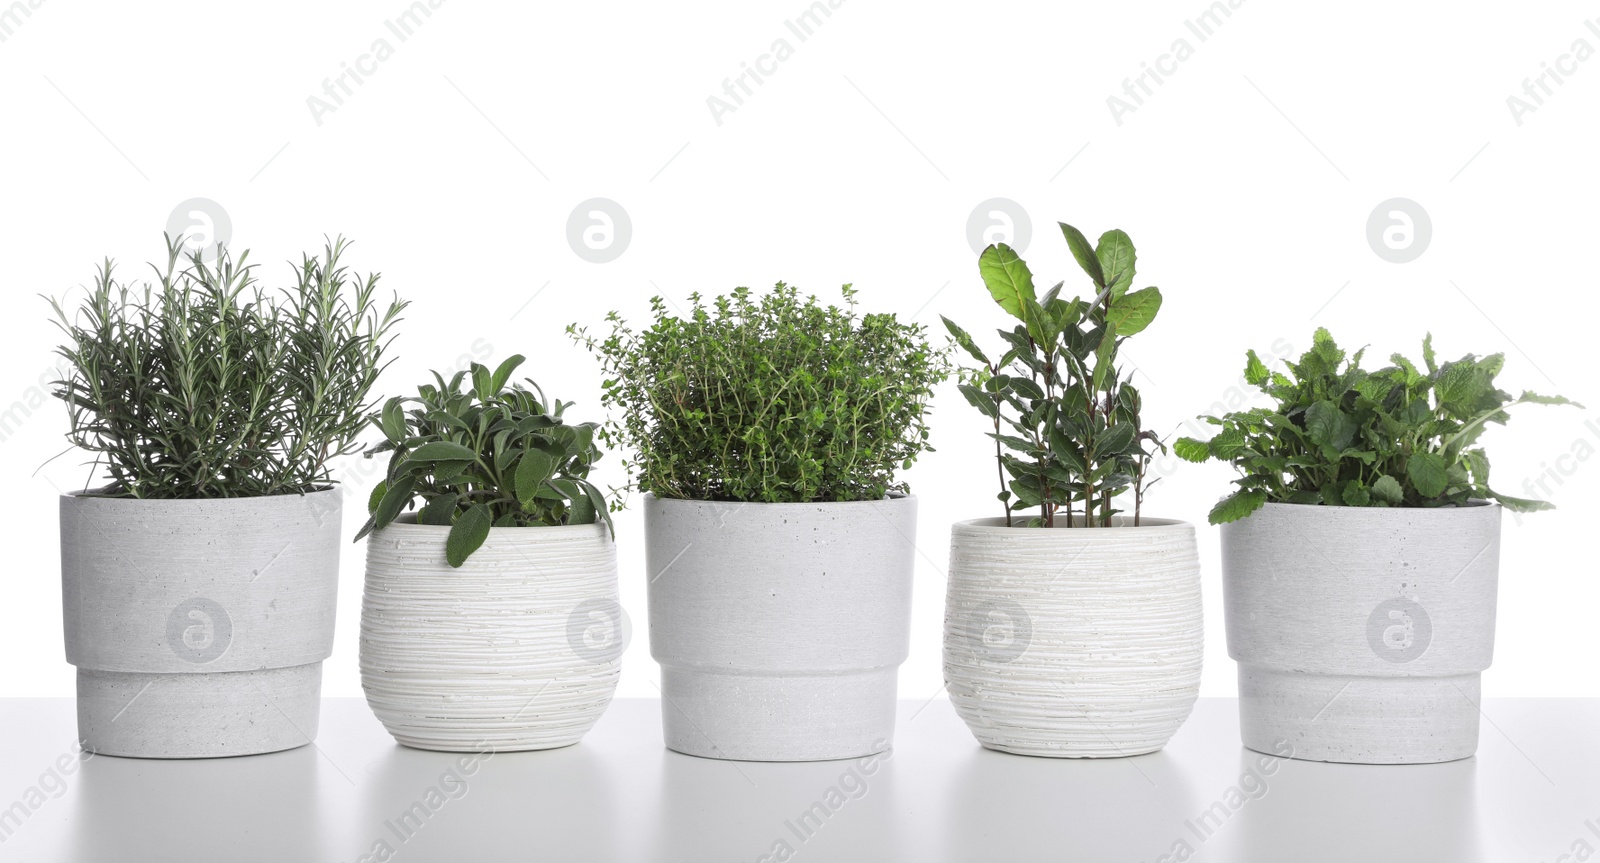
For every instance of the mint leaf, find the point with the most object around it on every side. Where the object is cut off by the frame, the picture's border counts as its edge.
(1386, 488)
(1256, 372)
(1237, 506)
(1428, 474)
(1189, 449)
(1329, 426)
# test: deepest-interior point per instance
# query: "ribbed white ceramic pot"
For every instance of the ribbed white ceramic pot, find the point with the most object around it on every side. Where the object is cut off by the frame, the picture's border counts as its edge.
(1073, 642)
(1361, 632)
(519, 648)
(199, 627)
(780, 627)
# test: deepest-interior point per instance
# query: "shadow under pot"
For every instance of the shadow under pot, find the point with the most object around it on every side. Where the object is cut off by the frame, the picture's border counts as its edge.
(1361, 633)
(1073, 642)
(199, 627)
(519, 648)
(780, 627)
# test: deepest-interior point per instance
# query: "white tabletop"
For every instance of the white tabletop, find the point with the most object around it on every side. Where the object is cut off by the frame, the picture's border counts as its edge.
(1531, 793)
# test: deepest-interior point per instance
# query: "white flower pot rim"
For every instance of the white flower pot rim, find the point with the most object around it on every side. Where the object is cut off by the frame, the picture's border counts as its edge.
(407, 522)
(889, 498)
(1377, 511)
(94, 495)
(1019, 522)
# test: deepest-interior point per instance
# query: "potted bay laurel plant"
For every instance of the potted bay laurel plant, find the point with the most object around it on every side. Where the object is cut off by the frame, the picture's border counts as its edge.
(767, 433)
(490, 616)
(1360, 552)
(1072, 620)
(198, 582)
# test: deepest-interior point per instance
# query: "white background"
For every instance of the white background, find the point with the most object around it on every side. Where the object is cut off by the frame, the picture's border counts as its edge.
(1246, 179)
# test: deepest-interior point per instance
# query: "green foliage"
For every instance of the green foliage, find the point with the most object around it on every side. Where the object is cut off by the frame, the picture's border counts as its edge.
(209, 386)
(493, 456)
(1067, 429)
(1341, 436)
(769, 399)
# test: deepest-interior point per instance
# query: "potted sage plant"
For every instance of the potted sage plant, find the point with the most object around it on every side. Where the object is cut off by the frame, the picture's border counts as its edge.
(490, 616)
(198, 582)
(1361, 552)
(767, 434)
(1072, 619)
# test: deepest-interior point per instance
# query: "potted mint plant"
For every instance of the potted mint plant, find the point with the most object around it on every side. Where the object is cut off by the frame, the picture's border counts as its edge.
(198, 583)
(490, 615)
(1360, 552)
(1072, 620)
(767, 434)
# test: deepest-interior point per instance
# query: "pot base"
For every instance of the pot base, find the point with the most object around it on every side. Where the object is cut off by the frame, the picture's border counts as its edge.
(789, 717)
(205, 715)
(1359, 720)
(511, 716)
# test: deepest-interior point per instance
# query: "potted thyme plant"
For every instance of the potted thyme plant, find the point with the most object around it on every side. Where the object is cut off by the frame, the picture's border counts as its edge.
(490, 616)
(1360, 552)
(767, 434)
(198, 583)
(1072, 620)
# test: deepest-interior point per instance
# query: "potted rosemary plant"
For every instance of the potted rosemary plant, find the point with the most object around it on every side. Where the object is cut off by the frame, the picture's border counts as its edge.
(767, 433)
(1361, 551)
(198, 583)
(1072, 620)
(490, 616)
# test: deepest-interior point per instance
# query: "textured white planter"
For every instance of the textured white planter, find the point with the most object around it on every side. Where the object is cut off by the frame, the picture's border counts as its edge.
(1360, 633)
(520, 648)
(199, 626)
(1073, 642)
(780, 627)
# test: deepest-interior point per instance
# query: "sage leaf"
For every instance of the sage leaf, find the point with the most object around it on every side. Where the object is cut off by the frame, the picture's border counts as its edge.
(467, 534)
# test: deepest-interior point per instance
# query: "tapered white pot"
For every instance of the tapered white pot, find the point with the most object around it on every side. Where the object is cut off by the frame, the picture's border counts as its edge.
(1073, 642)
(780, 627)
(199, 627)
(519, 648)
(1360, 632)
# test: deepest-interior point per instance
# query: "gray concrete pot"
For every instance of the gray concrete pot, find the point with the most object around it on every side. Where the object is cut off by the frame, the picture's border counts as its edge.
(520, 648)
(780, 627)
(1073, 642)
(199, 626)
(1360, 633)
